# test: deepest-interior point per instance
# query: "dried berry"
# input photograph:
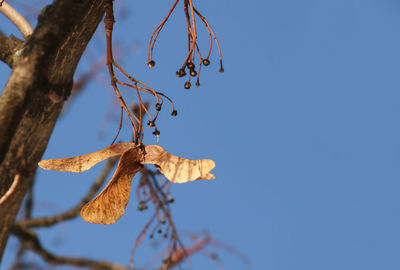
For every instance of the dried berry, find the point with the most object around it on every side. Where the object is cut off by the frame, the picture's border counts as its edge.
(187, 85)
(151, 63)
(158, 107)
(193, 73)
(174, 113)
(156, 132)
(191, 65)
(206, 62)
(151, 123)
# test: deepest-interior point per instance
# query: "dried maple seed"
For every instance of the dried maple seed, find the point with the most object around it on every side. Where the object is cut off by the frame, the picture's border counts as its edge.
(187, 85)
(151, 63)
(190, 65)
(158, 107)
(174, 113)
(206, 62)
(151, 123)
(193, 73)
(156, 132)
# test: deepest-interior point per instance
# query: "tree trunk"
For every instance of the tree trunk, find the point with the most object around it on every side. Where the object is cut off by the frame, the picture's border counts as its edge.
(40, 82)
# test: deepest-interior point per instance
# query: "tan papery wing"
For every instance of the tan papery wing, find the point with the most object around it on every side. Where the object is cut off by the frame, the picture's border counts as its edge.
(177, 169)
(85, 162)
(110, 204)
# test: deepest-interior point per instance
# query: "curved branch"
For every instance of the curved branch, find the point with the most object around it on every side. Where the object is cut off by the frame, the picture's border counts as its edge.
(20, 22)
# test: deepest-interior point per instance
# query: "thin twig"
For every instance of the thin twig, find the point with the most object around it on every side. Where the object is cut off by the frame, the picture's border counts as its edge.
(73, 212)
(11, 190)
(20, 22)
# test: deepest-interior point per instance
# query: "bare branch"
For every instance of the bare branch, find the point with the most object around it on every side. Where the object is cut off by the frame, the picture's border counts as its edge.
(23, 25)
(73, 212)
(30, 240)
(8, 48)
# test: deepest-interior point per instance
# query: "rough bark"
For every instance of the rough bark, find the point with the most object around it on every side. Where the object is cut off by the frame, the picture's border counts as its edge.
(33, 97)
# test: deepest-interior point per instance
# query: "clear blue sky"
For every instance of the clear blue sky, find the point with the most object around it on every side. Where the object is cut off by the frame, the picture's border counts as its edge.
(303, 126)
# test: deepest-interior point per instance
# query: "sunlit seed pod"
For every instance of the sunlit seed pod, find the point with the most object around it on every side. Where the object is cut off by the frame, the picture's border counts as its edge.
(174, 113)
(187, 85)
(206, 62)
(182, 72)
(221, 70)
(158, 107)
(193, 73)
(156, 132)
(151, 63)
(191, 65)
(151, 123)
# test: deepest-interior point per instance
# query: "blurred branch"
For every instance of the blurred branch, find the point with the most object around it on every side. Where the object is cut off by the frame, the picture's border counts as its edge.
(23, 25)
(73, 212)
(8, 48)
(30, 240)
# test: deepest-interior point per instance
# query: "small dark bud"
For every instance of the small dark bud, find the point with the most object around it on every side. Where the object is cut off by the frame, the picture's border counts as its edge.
(151, 236)
(174, 113)
(159, 231)
(191, 65)
(206, 62)
(158, 107)
(156, 132)
(151, 123)
(197, 83)
(193, 73)
(151, 63)
(165, 235)
(187, 85)
(221, 70)
(180, 73)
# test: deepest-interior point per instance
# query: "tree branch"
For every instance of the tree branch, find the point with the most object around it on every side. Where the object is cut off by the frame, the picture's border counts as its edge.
(30, 240)
(23, 25)
(8, 48)
(32, 99)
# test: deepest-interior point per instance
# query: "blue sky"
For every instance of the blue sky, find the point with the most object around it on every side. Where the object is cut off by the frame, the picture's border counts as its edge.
(303, 126)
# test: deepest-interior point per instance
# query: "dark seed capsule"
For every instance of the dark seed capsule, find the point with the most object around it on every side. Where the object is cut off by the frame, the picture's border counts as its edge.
(197, 83)
(221, 70)
(151, 123)
(165, 235)
(187, 85)
(180, 73)
(191, 65)
(193, 73)
(151, 236)
(158, 107)
(174, 113)
(151, 63)
(156, 132)
(206, 62)
(159, 231)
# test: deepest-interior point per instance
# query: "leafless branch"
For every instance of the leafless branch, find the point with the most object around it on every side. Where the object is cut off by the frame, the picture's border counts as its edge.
(8, 48)
(31, 241)
(23, 25)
